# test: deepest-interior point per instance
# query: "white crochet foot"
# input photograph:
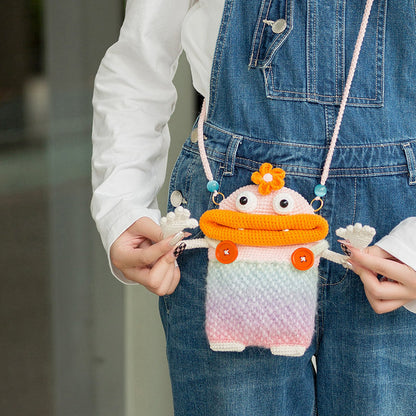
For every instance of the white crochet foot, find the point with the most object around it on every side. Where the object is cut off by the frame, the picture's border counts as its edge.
(227, 346)
(358, 235)
(288, 350)
(177, 221)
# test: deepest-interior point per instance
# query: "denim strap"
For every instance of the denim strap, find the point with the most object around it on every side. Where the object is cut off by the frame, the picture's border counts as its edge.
(346, 93)
(231, 155)
(411, 161)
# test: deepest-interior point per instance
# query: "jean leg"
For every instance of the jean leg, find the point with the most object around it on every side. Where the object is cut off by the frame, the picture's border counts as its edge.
(208, 383)
(366, 362)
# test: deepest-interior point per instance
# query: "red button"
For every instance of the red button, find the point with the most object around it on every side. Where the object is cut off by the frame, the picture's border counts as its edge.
(226, 252)
(303, 258)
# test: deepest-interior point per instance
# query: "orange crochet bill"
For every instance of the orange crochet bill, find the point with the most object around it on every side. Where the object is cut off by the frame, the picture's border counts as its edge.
(263, 230)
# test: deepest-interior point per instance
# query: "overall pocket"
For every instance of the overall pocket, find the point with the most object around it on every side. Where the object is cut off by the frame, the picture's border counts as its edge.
(188, 180)
(310, 58)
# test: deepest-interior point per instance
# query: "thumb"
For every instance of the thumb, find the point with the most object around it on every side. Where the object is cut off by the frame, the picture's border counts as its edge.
(146, 227)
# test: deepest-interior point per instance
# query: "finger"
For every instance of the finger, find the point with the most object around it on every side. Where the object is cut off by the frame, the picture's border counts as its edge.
(372, 250)
(162, 274)
(142, 257)
(146, 243)
(169, 287)
(147, 228)
(175, 280)
(157, 279)
(383, 290)
(377, 251)
(137, 275)
(383, 266)
(163, 282)
(384, 306)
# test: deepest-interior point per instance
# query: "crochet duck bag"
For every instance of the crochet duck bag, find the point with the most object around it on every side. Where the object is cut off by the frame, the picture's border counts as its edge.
(264, 246)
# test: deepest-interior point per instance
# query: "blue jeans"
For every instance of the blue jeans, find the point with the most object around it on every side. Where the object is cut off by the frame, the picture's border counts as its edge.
(282, 111)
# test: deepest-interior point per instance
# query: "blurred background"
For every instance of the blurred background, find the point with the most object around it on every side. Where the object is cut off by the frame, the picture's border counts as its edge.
(73, 341)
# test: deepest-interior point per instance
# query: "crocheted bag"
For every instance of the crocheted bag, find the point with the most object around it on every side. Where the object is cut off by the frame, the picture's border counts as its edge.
(264, 245)
(267, 295)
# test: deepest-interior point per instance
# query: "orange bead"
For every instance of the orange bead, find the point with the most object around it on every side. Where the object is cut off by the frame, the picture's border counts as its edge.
(302, 258)
(226, 252)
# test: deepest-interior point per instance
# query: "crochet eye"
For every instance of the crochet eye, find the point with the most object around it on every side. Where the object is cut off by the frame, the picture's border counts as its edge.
(283, 203)
(246, 202)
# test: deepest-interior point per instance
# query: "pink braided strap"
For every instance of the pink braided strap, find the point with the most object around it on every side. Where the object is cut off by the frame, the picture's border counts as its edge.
(346, 92)
(201, 146)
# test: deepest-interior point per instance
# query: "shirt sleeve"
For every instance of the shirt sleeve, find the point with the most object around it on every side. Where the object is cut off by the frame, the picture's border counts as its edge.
(401, 243)
(134, 97)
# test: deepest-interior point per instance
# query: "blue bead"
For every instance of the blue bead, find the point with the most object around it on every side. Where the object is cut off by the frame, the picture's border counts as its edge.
(320, 190)
(213, 186)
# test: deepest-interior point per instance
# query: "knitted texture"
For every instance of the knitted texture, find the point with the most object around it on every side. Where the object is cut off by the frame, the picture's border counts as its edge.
(263, 266)
(266, 254)
(263, 230)
(268, 178)
(269, 305)
(177, 221)
(278, 218)
(264, 204)
(261, 299)
(358, 235)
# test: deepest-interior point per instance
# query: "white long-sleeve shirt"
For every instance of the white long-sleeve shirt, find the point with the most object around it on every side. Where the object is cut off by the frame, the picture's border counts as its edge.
(134, 98)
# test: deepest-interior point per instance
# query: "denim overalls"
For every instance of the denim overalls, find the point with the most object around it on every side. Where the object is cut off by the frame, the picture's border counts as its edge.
(274, 98)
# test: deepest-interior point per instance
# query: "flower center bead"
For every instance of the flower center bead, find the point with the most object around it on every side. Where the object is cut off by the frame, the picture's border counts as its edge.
(268, 177)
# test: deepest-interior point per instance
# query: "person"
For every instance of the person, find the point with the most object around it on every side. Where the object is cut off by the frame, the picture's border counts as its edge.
(273, 73)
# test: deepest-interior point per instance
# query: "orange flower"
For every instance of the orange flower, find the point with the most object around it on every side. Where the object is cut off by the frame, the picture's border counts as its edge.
(268, 178)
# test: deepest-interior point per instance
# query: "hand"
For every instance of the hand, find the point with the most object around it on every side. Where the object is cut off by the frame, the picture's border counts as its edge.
(143, 256)
(395, 287)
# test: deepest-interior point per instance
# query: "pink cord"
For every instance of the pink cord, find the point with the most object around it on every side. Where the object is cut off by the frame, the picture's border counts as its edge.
(346, 92)
(201, 146)
(202, 152)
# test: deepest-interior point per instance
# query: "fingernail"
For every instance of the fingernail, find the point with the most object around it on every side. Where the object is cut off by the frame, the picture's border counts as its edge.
(345, 242)
(385, 279)
(179, 249)
(348, 265)
(349, 247)
(176, 238)
(345, 249)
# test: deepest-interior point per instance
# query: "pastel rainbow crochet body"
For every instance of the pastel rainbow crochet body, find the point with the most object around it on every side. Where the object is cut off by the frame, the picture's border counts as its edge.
(262, 298)
(270, 305)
